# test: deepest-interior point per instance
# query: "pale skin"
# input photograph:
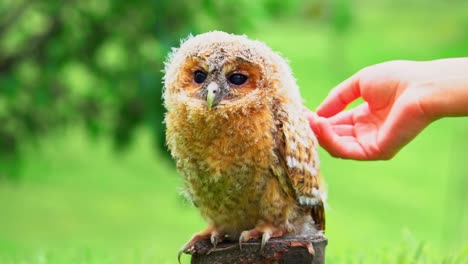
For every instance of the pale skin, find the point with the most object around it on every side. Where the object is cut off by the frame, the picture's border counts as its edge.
(401, 98)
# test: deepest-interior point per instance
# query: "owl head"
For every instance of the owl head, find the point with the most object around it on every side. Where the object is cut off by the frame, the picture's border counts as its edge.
(216, 71)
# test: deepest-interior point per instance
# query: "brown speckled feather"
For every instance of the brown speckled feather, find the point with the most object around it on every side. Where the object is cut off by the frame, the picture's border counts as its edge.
(297, 169)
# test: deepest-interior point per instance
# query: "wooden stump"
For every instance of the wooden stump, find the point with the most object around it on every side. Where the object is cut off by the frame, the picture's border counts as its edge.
(310, 250)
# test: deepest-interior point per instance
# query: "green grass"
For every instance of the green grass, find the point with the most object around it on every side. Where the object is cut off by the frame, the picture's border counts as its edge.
(79, 195)
(80, 202)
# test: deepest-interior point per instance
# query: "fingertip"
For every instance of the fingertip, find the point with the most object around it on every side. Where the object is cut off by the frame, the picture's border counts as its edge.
(323, 130)
(310, 115)
(326, 136)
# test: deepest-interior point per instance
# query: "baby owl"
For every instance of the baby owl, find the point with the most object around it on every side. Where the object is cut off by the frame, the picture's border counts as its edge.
(236, 130)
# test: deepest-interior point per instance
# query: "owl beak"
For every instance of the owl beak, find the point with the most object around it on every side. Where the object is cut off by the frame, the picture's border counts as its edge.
(212, 90)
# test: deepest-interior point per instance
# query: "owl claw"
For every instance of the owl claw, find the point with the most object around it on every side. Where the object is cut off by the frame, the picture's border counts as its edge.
(265, 232)
(216, 238)
(265, 237)
(185, 249)
(214, 241)
(241, 239)
(247, 235)
(190, 246)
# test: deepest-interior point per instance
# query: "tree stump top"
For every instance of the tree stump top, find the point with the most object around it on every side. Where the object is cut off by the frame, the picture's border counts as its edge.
(310, 250)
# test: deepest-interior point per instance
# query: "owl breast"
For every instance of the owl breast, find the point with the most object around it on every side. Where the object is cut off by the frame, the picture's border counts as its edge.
(225, 160)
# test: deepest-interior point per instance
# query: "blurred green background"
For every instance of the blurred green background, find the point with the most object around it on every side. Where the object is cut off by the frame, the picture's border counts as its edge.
(84, 174)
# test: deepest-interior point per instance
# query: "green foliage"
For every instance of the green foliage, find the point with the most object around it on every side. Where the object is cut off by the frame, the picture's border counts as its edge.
(340, 15)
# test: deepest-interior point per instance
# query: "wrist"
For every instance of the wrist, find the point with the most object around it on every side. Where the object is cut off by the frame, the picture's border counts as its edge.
(445, 97)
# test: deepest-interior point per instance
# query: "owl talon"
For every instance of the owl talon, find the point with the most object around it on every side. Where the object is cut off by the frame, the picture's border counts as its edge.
(214, 241)
(241, 239)
(248, 235)
(266, 236)
(189, 248)
(264, 232)
(216, 238)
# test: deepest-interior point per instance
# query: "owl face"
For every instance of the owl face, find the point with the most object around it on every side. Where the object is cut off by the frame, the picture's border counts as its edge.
(217, 79)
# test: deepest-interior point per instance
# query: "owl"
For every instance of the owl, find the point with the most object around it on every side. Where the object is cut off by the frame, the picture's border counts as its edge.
(236, 129)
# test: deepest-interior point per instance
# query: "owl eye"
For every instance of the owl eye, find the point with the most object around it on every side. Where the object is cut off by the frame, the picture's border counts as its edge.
(199, 76)
(237, 79)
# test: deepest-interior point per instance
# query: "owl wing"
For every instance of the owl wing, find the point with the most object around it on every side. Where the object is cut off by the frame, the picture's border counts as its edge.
(297, 168)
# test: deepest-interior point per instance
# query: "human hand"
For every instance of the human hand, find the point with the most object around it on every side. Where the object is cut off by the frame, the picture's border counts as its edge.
(401, 99)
